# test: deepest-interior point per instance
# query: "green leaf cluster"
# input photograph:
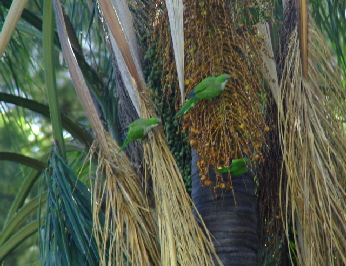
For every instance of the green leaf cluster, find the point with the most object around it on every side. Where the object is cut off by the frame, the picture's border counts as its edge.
(65, 235)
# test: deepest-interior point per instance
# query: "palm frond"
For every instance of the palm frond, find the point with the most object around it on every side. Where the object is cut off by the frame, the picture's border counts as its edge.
(65, 235)
(50, 77)
(10, 24)
(78, 78)
(182, 241)
(20, 235)
(314, 150)
(175, 9)
(162, 167)
(77, 131)
(127, 212)
(303, 35)
(124, 44)
(21, 215)
(20, 158)
(128, 233)
(330, 17)
(24, 190)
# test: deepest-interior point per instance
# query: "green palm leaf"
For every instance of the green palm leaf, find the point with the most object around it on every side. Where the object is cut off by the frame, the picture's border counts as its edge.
(66, 232)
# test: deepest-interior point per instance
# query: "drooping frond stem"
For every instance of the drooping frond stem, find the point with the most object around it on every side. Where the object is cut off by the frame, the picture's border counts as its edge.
(123, 44)
(10, 23)
(117, 32)
(77, 77)
(50, 78)
(175, 9)
(303, 26)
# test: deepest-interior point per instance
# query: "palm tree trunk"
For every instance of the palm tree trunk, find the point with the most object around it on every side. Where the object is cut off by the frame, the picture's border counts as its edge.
(231, 221)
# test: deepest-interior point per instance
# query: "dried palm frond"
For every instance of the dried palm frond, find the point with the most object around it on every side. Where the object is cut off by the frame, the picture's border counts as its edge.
(182, 241)
(124, 46)
(128, 233)
(164, 84)
(311, 113)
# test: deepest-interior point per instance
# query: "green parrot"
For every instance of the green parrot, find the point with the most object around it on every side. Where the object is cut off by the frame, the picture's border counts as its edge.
(138, 129)
(238, 167)
(208, 89)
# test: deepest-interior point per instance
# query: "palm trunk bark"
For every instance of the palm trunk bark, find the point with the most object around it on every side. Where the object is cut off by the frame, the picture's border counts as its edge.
(231, 221)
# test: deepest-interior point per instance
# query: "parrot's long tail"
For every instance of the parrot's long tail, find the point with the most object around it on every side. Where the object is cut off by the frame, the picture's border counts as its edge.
(124, 145)
(187, 106)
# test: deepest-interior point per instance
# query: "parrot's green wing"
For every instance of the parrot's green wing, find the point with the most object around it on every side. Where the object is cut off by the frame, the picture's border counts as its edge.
(187, 106)
(135, 133)
(205, 83)
(139, 128)
(137, 123)
(142, 122)
(238, 167)
(208, 89)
